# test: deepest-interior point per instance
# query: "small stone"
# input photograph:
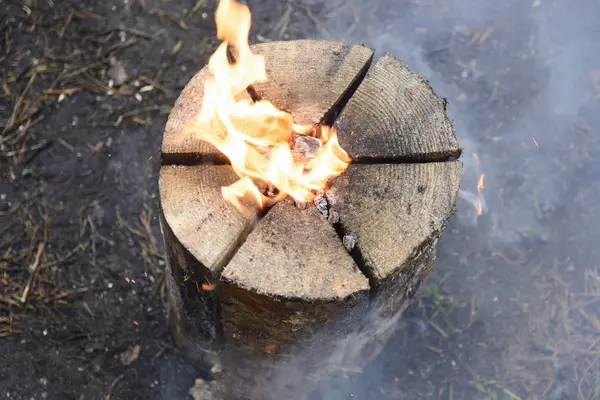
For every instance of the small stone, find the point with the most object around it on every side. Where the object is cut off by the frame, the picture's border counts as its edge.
(321, 203)
(334, 217)
(117, 72)
(349, 242)
(307, 145)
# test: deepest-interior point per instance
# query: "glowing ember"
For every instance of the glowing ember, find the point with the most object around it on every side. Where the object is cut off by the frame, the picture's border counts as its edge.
(256, 137)
(269, 348)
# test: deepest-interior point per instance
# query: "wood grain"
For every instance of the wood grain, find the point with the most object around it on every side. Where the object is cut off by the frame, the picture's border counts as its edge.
(207, 225)
(290, 277)
(265, 284)
(295, 254)
(395, 115)
(394, 210)
(179, 146)
(310, 77)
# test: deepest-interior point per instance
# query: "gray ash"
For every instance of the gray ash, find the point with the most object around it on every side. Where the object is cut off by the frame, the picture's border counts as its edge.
(349, 242)
(333, 217)
(308, 146)
(321, 203)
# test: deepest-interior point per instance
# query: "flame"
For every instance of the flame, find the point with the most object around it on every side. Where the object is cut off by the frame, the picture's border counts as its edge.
(257, 137)
(480, 187)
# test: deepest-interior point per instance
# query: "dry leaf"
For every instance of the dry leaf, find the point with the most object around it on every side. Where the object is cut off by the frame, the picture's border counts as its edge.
(129, 356)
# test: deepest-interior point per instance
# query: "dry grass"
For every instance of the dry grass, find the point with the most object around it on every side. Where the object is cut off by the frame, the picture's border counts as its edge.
(563, 338)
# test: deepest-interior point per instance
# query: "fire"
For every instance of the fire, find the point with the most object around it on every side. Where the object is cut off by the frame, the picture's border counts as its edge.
(257, 137)
(480, 187)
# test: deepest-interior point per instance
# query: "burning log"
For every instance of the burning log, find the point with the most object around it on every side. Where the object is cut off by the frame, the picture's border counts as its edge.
(264, 279)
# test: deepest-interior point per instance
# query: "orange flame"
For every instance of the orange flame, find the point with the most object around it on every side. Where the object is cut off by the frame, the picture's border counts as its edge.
(480, 187)
(256, 136)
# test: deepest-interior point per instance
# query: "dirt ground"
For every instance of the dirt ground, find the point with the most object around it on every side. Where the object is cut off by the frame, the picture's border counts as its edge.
(512, 310)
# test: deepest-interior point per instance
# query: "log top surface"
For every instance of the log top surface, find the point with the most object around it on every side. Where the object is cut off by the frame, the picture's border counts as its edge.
(386, 115)
(205, 223)
(300, 251)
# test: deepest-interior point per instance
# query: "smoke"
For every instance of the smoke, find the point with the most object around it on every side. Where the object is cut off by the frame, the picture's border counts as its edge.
(522, 81)
(514, 73)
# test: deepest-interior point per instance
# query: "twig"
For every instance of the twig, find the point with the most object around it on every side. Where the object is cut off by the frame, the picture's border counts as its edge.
(67, 23)
(356, 18)
(113, 385)
(66, 294)
(67, 145)
(473, 313)
(25, 150)
(137, 32)
(171, 17)
(120, 46)
(283, 23)
(86, 15)
(15, 111)
(166, 91)
(199, 4)
(66, 256)
(34, 270)
(316, 21)
(72, 74)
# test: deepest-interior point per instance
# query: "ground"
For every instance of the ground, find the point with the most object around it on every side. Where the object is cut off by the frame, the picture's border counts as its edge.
(512, 309)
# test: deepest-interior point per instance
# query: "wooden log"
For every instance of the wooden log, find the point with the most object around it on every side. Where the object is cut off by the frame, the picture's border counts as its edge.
(341, 66)
(292, 272)
(179, 146)
(409, 202)
(202, 231)
(338, 66)
(266, 283)
(395, 115)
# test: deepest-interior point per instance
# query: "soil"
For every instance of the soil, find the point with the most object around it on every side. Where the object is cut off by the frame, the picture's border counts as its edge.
(512, 309)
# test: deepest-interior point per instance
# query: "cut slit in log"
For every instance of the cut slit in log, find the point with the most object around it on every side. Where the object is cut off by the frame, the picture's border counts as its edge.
(340, 65)
(266, 284)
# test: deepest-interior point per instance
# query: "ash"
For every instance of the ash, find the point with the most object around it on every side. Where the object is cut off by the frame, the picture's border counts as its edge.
(321, 203)
(349, 242)
(307, 145)
(333, 217)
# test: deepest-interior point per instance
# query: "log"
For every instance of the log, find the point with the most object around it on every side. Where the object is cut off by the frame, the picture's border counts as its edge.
(264, 283)
(404, 118)
(201, 231)
(339, 66)
(179, 146)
